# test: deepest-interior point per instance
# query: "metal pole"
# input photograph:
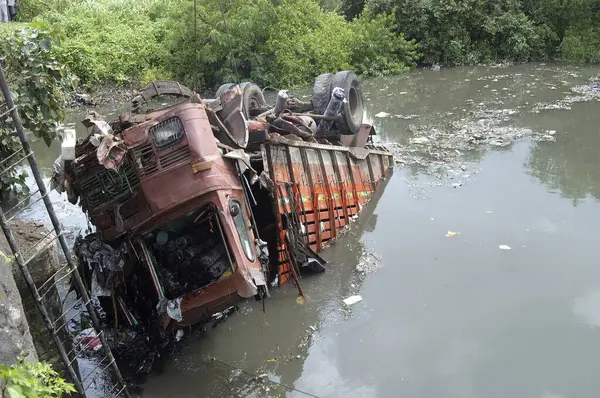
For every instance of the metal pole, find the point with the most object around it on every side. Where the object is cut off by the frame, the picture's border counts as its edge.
(55, 223)
(38, 302)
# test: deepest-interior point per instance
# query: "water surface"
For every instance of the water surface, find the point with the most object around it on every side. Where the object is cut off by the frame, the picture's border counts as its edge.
(441, 317)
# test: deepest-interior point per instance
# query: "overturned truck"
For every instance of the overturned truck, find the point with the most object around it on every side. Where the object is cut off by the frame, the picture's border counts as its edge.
(204, 202)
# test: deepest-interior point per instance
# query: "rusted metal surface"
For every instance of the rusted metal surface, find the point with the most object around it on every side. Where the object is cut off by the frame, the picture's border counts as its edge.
(359, 139)
(323, 186)
(157, 185)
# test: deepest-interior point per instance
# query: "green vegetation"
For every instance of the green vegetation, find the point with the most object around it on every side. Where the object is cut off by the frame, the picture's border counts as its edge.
(457, 32)
(32, 380)
(275, 42)
(288, 42)
(117, 41)
(37, 81)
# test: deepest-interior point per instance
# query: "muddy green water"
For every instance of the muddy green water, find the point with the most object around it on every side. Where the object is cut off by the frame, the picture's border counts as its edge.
(441, 317)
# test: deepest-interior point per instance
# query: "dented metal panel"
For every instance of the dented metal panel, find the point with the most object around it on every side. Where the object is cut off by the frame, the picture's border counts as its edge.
(323, 186)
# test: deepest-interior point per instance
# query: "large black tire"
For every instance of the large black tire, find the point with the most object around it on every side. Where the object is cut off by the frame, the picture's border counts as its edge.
(354, 106)
(253, 98)
(321, 93)
(223, 89)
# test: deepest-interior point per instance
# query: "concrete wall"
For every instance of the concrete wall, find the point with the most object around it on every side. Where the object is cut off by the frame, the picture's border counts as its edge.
(42, 267)
(15, 338)
(45, 264)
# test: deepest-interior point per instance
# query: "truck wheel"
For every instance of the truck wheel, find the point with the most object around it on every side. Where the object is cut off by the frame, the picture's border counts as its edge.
(253, 98)
(321, 93)
(353, 107)
(223, 89)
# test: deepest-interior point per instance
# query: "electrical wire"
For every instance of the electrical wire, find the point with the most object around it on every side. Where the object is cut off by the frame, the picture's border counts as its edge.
(269, 380)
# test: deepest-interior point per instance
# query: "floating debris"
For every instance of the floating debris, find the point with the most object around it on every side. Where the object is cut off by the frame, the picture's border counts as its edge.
(352, 300)
(419, 140)
(87, 342)
(504, 247)
(581, 93)
(451, 234)
(437, 147)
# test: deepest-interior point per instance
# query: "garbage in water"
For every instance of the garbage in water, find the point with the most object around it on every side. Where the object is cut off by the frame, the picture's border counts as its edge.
(87, 342)
(433, 147)
(451, 234)
(382, 114)
(504, 247)
(419, 140)
(68, 144)
(352, 300)
(581, 93)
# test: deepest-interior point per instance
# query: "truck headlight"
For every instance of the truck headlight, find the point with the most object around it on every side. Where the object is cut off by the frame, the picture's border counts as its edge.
(167, 133)
(239, 219)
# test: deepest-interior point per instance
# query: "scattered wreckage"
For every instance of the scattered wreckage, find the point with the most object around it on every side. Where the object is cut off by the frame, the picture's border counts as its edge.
(202, 203)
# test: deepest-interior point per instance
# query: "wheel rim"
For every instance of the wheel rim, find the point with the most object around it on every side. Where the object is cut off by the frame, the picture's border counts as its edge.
(353, 102)
(254, 103)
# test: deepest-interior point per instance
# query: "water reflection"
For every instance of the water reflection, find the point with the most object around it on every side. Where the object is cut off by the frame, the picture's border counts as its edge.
(571, 165)
(587, 308)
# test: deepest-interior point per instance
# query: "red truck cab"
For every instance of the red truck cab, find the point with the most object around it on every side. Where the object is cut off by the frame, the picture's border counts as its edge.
(179, 206)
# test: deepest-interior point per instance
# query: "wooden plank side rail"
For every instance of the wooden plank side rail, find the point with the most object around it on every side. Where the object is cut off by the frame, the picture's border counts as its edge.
(323, 187)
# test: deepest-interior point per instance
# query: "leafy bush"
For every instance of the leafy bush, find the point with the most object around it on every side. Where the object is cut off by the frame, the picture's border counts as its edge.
(32, 380)
(581, 42)
(107, 40)
(277, 42)
(466, 31)
(288, 42)
(352, 8)
(377, 49)
(37, 82)
(211, 54)
(305, 41)
(473, 31)
(581, 45)
(281, 43)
